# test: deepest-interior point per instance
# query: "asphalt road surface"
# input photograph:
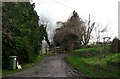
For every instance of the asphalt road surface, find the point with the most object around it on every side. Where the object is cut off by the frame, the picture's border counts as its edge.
(52, 66)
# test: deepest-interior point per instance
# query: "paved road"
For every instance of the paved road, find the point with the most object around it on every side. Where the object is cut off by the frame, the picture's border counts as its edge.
(52, 66)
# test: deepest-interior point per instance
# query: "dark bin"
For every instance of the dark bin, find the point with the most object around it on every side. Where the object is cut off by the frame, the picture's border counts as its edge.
(13, 62)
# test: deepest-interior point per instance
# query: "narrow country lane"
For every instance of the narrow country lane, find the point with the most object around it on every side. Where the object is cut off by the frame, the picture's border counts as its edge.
(52, 66)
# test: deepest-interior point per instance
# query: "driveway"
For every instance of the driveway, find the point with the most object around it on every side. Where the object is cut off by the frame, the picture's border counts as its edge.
(52, 66)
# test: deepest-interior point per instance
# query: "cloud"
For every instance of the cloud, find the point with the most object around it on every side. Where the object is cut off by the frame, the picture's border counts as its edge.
(103, 12)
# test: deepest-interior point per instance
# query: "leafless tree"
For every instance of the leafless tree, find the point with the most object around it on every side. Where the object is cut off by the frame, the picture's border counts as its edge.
(44, 20)
(86, 31)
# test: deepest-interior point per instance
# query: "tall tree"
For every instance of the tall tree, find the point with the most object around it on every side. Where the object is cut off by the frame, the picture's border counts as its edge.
(86, 31)
(44, 22)
(74, 31)
(69, 32)
(21, 33)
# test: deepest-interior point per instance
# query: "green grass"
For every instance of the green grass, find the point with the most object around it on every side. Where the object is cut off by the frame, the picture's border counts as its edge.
(87, 49)
(24, 66)
(92, 66)
(113, 58)
(28, 65)
(0, 72)
(95, 49)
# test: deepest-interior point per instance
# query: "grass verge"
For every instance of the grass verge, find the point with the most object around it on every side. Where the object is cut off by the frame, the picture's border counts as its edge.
(28, 65)
(93, 66)
(24, 67)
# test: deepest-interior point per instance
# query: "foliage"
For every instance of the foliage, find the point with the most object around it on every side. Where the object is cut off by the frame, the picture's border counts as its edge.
(73, 32)
(69, 32)
(24, 66)
(21, 33)
(44, 21)
(92, 66)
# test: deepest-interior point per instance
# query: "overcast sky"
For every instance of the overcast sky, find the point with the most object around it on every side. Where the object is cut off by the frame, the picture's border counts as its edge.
(103, 12)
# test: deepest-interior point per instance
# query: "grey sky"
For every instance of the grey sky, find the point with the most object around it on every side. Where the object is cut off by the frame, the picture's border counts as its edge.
(103, 12)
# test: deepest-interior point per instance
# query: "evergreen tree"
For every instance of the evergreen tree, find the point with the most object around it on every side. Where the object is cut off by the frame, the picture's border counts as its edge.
(21, 34)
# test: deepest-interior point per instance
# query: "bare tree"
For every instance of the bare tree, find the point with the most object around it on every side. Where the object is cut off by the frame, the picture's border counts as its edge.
(86, 31)
(43, 20)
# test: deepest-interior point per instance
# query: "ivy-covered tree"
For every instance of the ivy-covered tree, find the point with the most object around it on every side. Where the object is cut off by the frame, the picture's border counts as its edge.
(21, 33)
(69, 32)
(73, 33)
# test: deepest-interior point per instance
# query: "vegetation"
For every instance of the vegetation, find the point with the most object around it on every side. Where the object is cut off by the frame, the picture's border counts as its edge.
(21, 32)
(93, 66)
(74, 31)
(68, 32)
(24, 66)
(86, 31)
(28, 65)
